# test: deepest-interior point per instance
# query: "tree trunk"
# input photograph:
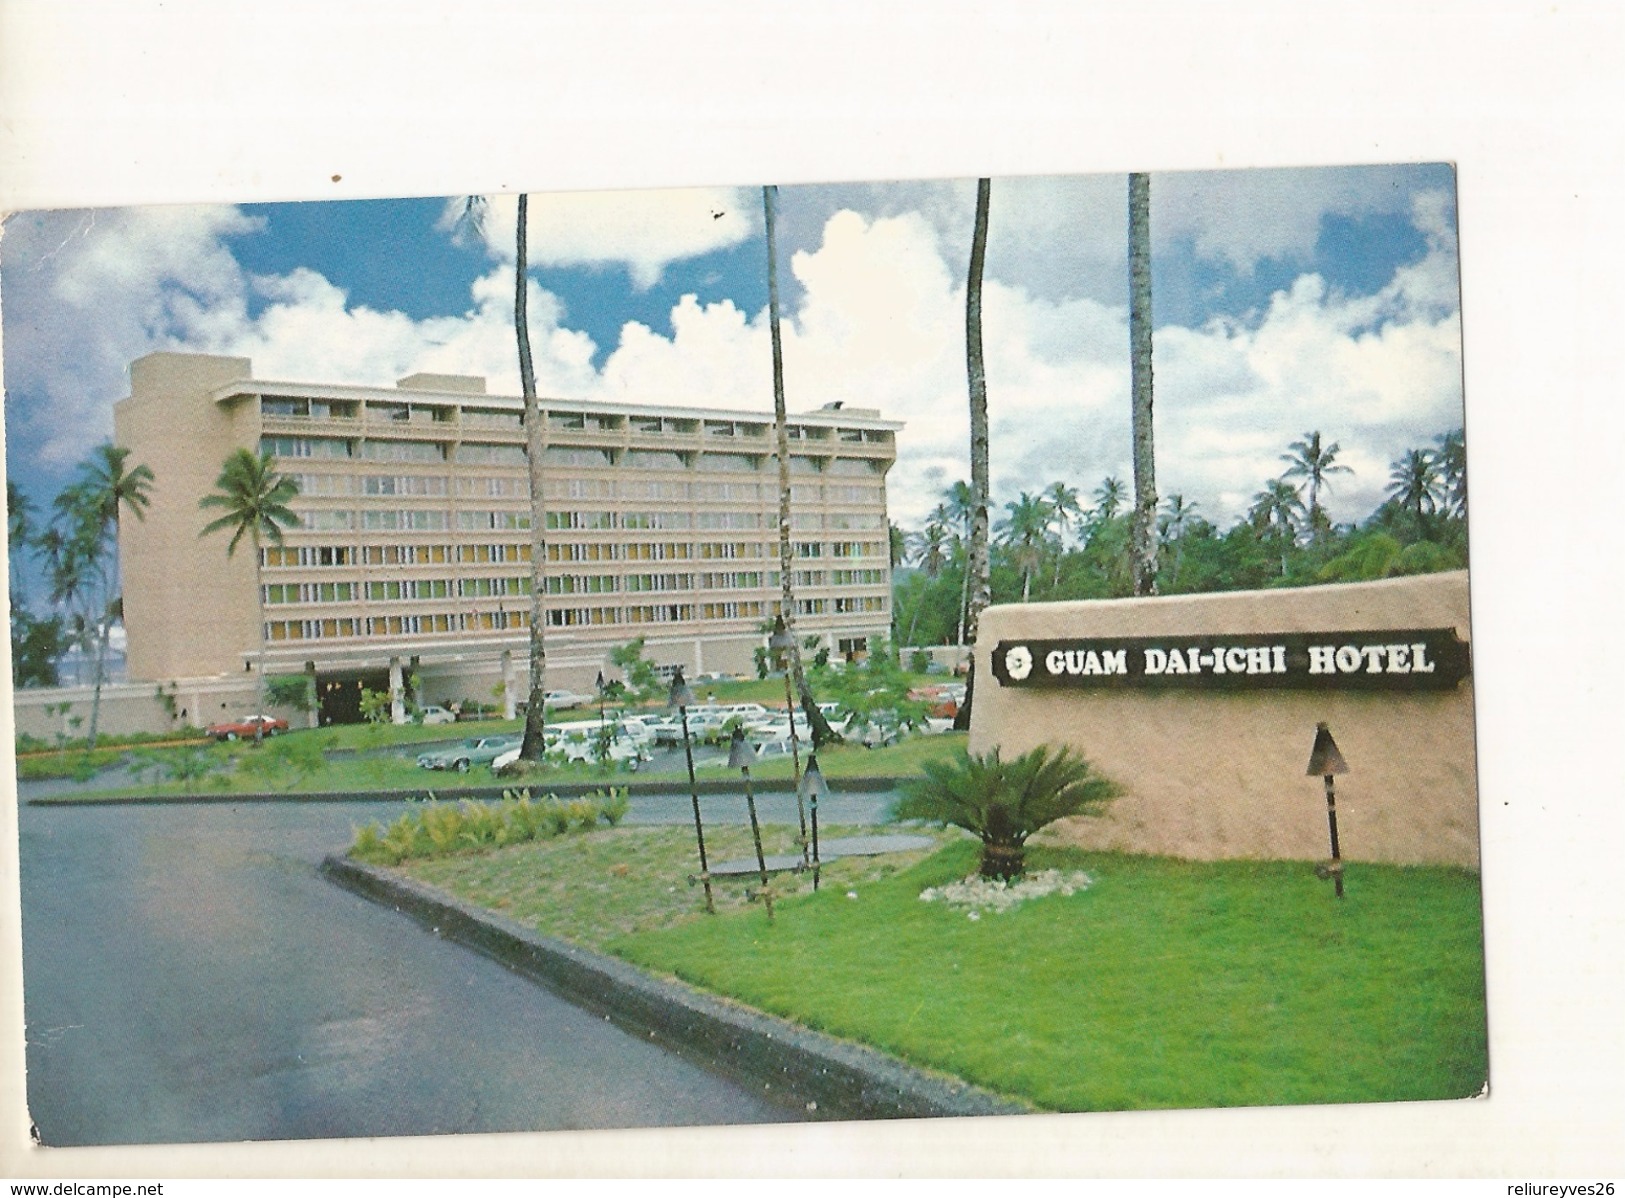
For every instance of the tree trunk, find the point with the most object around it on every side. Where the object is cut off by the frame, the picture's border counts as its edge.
(534, 744)
(822, 733)
(978, 566)
(1143, 540)
(259, 640)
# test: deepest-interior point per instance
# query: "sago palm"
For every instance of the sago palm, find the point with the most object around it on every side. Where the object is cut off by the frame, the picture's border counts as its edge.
(1004, 802)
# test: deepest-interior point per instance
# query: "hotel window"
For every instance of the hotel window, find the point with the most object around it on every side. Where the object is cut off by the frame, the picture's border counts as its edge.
(327, 521)
(738, 463)
(856, 521)
(483, 521)
(561, 455)
(803, 465)
(403, 451)
(324, 484)
(305, 447)
(430, 485)
(651, 459)
(490, 418)
(475, 453)
(856, 466)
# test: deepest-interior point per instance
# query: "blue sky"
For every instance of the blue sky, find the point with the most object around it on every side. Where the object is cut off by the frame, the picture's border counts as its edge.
(1286, 301)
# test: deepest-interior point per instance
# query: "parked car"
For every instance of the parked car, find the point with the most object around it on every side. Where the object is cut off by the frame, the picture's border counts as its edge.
(437, 715)
(244, 728)
(479, 751)
(564, 699)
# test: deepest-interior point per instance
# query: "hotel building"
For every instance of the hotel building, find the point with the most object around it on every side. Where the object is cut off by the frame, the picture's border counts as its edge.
(412, 555)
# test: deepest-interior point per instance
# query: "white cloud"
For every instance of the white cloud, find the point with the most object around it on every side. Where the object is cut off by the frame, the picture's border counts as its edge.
(876, 320)
(641, 230)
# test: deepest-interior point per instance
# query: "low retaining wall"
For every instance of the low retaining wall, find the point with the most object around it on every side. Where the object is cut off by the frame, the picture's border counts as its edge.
(846, 1081)
(1220, 772)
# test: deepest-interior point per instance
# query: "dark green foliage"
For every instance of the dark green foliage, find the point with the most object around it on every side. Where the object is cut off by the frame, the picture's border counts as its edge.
(1285, 539)
(289, 690)
(1003, 802)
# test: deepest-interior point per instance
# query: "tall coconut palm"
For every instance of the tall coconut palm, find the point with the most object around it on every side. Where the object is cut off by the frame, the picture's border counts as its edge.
(1451, 460)
(1066, 514)
(252, 498)
(109, 488)
(822, 733)
(1414, 483)
(1024, 531)
(1108, 499)
(1276, 513)
(1314, 462)
(979, 565)
(1143, 539)
(1177, 517)
(534, 744)
(19, 538)
(961, 504)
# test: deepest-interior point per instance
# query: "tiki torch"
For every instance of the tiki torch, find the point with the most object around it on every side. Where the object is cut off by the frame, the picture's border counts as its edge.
(739, 755)
(1325, 760)
(781, 642)
(812, 783)
(682, 699)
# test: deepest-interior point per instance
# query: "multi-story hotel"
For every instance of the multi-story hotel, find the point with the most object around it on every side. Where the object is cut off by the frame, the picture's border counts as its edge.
(412, 555)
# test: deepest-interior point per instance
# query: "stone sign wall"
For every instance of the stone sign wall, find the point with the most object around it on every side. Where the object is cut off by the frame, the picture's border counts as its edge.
(1204, 707)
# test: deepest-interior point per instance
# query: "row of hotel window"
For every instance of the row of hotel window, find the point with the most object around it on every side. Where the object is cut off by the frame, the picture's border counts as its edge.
(424, 413)
(318, 556)
(565, 617)
(386, 590)
(510, 487)
(482, 520)
(475, 453)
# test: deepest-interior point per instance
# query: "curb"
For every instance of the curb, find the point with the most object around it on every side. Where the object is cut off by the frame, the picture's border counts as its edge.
(806, 1068)
(674, 786)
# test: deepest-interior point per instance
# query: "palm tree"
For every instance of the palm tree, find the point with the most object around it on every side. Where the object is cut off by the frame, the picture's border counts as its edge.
(1003, 802)
(109, 489)
(822, 733)
(1177, 516)
(1276, 513)
(1108, 499)
(534, 744)
(1414, 483)
(978, 567)
(1310, 460)
(1143, 540)
(961, 504)
(253, 501)
(1025, 532)
(931, 550)
(19, 537)
(1451, 460)
(1065, 514)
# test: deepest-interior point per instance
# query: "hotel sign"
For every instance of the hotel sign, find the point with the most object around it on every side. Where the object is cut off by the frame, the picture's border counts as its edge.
(1387, 659)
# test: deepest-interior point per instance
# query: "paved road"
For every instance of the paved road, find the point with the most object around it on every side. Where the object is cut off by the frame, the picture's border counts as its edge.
(189, 977)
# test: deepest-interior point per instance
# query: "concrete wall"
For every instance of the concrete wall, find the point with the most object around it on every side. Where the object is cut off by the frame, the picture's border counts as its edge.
(1214, 774)
(135, 707)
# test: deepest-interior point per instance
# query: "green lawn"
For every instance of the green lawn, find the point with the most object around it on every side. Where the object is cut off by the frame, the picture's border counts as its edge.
(1165, 984)
(289, 764)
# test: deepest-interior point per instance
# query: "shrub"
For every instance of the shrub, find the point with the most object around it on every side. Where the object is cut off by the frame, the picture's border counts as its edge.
(613, 805)
(1003, 802)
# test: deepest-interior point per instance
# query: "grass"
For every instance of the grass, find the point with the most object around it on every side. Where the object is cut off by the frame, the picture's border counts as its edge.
(596, 888)
(236, 770)
(1166, 984)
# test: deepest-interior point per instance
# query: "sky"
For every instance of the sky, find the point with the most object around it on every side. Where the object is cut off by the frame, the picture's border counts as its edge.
(1286, 301)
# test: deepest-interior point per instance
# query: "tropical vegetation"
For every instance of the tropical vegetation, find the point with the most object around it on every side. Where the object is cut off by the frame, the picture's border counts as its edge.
(1003, 802)
(1049, 545)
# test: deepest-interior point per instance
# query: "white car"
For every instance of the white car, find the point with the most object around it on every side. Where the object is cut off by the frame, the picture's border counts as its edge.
(564, 699)
(437, 715)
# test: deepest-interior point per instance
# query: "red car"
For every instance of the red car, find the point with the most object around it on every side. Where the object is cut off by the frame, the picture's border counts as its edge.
(245, 728)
